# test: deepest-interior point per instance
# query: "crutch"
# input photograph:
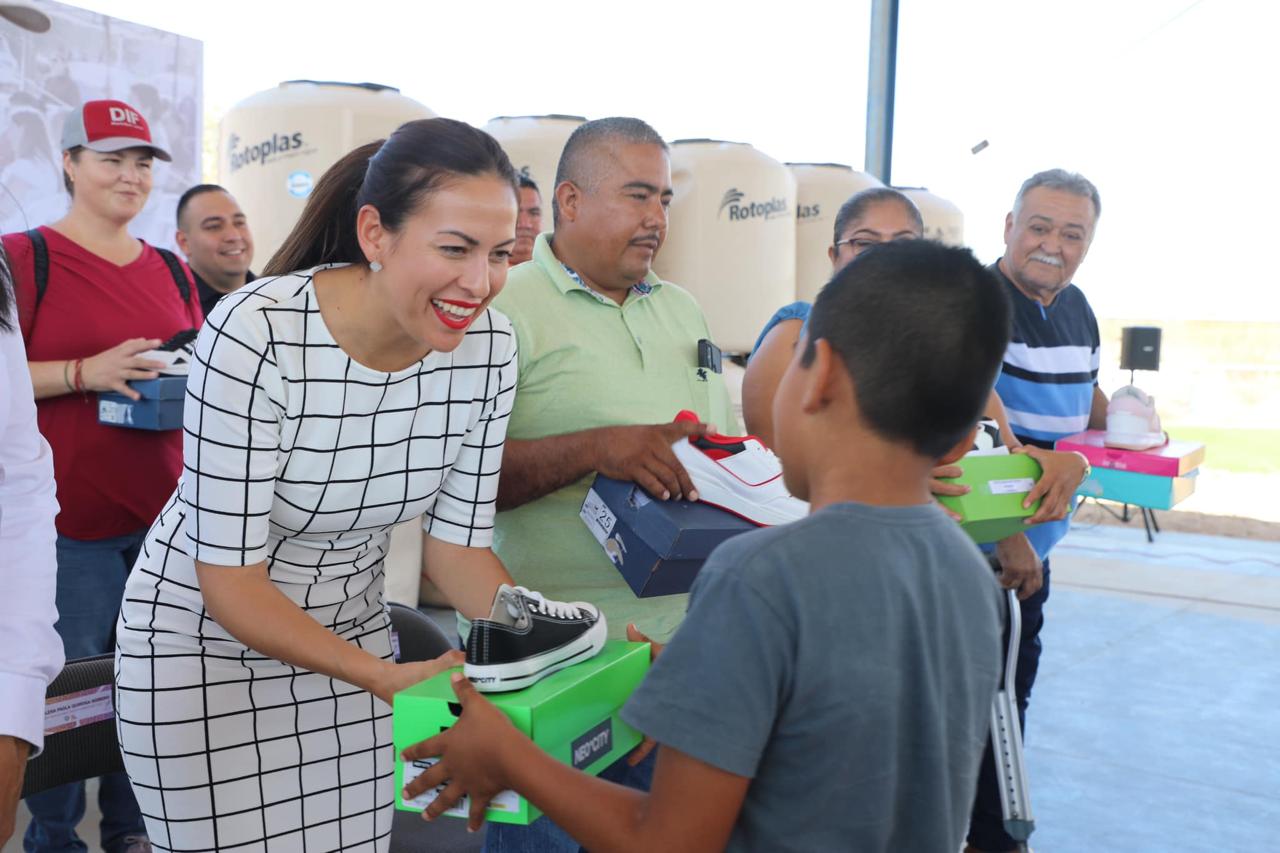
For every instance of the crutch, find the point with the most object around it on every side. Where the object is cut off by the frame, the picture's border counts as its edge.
(1006, 741)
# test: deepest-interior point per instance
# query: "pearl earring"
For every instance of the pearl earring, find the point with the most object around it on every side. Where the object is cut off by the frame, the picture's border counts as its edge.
(375, 267)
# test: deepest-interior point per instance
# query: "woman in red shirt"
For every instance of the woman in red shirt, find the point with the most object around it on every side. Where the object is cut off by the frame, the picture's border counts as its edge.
(107, 298)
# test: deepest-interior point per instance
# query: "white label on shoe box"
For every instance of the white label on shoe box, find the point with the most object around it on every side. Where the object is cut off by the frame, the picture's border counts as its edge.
(599, 518)
(507, 801)
(111, 412)
(1022, 485)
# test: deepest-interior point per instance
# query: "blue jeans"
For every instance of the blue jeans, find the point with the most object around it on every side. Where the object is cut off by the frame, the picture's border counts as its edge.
(986, 823)
(91, 578)
(543, 836)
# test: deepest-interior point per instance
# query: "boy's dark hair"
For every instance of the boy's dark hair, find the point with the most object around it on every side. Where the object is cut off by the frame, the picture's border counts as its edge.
(198, 189)
(527, 183)
(922, 329)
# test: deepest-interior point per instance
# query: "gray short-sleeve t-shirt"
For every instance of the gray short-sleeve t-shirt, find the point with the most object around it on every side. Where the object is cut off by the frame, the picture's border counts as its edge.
(846, 663)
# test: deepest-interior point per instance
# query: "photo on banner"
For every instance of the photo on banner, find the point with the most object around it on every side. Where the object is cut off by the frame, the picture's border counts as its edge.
(86, 56)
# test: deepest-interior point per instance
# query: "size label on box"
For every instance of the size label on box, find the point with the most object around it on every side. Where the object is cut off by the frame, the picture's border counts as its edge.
(507, 801)
(1019, 486)
(82, 708)
(599, 518)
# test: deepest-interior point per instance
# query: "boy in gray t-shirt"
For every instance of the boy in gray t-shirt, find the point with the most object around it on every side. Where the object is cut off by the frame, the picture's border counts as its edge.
(830, 687)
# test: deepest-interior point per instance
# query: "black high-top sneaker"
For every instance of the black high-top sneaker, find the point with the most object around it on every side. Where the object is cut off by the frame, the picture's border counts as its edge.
(176, 354)
(527, 637)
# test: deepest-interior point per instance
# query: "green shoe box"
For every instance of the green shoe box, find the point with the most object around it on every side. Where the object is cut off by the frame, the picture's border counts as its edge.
(998, 484)
(572, 715)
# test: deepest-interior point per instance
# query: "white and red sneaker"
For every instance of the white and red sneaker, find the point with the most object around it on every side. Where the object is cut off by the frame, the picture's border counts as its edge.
(739, 475)
(1132, 422)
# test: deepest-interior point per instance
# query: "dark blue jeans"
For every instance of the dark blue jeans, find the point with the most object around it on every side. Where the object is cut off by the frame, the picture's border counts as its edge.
(986, 823)
(543, 836)
(91, 578)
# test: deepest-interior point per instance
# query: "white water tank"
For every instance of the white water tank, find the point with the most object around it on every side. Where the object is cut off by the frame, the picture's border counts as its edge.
(276, 144)
(731, 240)
(943, 221)
(821, 188)
(534, 144)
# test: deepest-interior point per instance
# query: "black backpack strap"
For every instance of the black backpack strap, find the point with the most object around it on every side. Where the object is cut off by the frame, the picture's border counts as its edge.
(175, 270)
(40, 257)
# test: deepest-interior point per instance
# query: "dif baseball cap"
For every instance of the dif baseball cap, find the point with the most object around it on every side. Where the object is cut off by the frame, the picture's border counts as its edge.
(107, 126)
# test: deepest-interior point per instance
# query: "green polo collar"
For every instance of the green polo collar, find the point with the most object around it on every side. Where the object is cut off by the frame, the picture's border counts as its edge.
(565, 282)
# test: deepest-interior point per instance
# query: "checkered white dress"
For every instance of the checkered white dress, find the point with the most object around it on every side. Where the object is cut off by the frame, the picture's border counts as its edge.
(297, 455)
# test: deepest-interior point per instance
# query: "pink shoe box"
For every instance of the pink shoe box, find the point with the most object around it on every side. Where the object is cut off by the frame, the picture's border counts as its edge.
(1172, 460)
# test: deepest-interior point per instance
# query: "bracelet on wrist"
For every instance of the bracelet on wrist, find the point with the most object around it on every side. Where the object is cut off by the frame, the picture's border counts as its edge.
(79, 382)
(1088, 469)
(66, 375)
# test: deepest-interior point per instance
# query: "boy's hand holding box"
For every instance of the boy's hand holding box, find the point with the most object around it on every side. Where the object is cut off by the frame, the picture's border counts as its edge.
(571, 715)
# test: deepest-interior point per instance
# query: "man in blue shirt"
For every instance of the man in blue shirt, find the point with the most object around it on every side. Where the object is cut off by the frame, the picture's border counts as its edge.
(1048, 383)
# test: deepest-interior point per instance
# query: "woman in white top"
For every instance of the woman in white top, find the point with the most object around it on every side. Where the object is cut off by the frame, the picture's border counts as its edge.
(360, 382)
(30, 650)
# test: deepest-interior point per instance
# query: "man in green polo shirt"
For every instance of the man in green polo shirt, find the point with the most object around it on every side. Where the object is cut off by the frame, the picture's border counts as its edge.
(608, 354)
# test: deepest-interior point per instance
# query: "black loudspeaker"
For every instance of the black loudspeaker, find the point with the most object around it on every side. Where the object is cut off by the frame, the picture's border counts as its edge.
(1140, 348)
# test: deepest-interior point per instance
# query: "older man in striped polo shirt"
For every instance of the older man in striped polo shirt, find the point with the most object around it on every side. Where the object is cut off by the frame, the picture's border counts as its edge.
(1049, 387)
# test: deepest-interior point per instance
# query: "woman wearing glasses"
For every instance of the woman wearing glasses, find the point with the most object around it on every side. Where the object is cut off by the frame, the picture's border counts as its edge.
(868, 218)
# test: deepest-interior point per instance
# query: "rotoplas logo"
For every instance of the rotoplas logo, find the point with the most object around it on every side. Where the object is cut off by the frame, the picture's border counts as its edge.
(739, 209)
(261, 152)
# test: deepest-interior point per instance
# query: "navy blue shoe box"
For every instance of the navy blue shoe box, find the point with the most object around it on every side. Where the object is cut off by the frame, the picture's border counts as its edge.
(160, 407)
(658, 546)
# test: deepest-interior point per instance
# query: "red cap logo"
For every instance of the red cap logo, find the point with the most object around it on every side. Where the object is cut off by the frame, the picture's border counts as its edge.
(113, 119)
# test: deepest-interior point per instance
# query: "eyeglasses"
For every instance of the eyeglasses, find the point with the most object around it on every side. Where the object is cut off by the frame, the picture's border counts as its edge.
(858, 244)
(861, 244)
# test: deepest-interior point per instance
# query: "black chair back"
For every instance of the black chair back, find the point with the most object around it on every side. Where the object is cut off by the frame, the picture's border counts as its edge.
(87, 746)
(416, 636)
(420, 638)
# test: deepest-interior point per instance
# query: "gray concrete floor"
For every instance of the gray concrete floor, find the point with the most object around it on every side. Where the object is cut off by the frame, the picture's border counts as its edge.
(1155, 722)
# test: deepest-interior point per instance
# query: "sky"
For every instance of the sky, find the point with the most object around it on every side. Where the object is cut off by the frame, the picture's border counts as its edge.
(1167, 105)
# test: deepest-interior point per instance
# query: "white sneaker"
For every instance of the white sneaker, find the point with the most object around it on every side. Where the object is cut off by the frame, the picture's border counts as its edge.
(987, 440)
(176, 354)
(739, 475)
(527, 637)
(1132, 422)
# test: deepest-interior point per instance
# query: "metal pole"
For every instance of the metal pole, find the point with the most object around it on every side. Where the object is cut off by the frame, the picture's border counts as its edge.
(881, 80)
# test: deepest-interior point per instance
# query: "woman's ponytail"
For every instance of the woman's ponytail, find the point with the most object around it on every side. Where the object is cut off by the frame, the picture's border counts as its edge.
(326, 230)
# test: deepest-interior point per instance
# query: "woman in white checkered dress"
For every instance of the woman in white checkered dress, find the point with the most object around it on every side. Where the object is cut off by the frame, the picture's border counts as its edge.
(254, 664)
